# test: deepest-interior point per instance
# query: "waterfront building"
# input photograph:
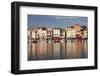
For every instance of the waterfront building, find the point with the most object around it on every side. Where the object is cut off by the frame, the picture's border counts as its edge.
(42, 33)
(77, 27)
(34, 33)
(75, 31)
(70, 32)
(49, 33)
(63, 33)
(56, 33)
(39, 33)
(78, 34)
(85, 34)
(28, 33)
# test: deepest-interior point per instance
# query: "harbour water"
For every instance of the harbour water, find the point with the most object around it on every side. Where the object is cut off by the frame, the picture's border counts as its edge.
(51, 50)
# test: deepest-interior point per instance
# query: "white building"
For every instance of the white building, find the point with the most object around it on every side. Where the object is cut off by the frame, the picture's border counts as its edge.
(70, 33)
(56, 33)
(41, 33)
(44, 34)
(33, 35)
(85, 34)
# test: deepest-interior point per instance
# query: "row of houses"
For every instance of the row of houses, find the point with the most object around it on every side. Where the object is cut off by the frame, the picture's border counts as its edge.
(75, 31)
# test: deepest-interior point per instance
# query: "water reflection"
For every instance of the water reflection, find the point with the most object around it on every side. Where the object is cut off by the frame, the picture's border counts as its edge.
(49, 50)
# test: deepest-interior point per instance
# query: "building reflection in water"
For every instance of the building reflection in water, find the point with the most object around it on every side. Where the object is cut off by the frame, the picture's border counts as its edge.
(49, 50)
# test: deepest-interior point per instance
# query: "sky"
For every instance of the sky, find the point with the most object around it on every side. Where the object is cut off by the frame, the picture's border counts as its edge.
(51, 21)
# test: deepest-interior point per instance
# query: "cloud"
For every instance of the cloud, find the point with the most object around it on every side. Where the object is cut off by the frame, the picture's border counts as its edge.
(66, 17)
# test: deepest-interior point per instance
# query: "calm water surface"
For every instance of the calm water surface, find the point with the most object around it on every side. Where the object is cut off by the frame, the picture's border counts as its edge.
(50, 50)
